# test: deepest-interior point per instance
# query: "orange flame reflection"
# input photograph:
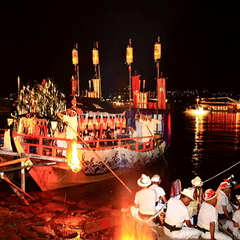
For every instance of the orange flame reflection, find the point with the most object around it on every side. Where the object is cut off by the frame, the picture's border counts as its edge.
(73, 159)
(128, 237)
(133, 229)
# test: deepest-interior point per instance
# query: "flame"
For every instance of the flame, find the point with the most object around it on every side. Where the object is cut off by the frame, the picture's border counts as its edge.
(133, 229)
(128, 237)
(73, 159)
(144, 233)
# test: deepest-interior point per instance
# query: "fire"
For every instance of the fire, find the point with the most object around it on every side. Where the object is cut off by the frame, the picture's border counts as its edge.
(142, 233)
(128, 237)
(133, 229)
(73, 159)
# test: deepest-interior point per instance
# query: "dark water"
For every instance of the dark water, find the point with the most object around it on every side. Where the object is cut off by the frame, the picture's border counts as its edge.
(203, 145)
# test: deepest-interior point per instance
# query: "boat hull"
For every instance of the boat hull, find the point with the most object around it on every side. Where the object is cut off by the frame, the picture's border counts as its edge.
(120, 160)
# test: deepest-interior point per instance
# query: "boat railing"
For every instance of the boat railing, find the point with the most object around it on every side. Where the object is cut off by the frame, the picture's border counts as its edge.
(55, 147)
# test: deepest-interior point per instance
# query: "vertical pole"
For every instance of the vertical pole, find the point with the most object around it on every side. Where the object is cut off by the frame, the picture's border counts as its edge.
(23, 177)
(129, 60)
(157, 58)
(77, 74)
(130, 85)
(99, 75)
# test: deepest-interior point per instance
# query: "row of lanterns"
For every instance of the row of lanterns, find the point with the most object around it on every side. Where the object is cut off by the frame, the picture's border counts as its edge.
(157, 52)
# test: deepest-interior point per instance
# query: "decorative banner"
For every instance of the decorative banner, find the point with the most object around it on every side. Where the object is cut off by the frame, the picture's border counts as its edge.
(90, 124)
(139, 100)
(157, 51)
(129, 55)
(124, 123)
(135, 89)
(96, 86)
(95, 57)
(161, 86)
(117, 122)
(74, 56)
(144, 99)
(92, 94)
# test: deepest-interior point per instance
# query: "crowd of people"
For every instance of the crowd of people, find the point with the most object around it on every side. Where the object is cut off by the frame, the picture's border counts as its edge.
(145, 126)
(191, 212)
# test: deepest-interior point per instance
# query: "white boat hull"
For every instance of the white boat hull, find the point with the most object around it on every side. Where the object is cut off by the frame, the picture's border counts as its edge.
(119, 160)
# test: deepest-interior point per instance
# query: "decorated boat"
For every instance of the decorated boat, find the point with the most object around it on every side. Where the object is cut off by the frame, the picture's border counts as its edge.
(38, 137)
(220, 104)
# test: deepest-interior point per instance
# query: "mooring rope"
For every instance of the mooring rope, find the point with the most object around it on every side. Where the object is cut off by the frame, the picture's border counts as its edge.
(222, 172)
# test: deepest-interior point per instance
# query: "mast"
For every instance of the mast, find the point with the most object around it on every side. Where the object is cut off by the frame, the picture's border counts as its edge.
(157, 59)
(75, 86)
(77, 74)
(96, 63)
(129, 61)
(75, 78)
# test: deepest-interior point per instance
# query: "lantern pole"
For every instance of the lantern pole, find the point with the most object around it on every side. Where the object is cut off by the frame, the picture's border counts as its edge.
(129, 60)
(99, 75)
(77, 74)
(75, 86)
(96, 64)
(157, 58)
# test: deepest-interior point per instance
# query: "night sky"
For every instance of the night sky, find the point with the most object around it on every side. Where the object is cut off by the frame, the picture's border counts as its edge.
(200, 42)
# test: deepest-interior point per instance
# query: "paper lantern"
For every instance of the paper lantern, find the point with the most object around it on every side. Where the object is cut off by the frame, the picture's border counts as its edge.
(157, 51)
(75, 56)
(129, 55)
(95, 57)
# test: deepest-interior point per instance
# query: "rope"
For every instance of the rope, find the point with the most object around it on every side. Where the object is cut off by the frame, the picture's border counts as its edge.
(221, 172)
(98, 157)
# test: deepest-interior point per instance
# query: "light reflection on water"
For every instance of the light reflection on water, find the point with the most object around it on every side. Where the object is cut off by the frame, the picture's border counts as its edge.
(204, 145)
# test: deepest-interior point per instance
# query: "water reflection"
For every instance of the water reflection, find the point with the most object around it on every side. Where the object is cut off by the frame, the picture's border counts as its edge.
(198, 148)
(216, 142)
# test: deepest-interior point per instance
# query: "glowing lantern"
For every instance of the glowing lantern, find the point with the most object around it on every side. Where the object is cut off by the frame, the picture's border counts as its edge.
(82, 126)
(123, 122)
(95, 57)
(157, 51)
(129, 55)
(73, 159)
(75, 56)
(90, 125)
